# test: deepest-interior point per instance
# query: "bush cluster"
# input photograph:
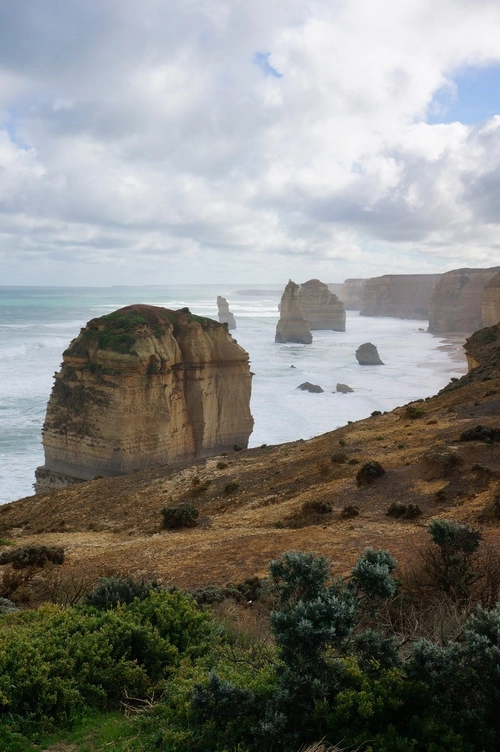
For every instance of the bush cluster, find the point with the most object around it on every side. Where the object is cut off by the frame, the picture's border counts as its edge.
(32, 556)
(182, 515)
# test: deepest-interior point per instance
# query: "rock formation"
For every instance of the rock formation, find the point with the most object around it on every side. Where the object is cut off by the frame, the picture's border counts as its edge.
(367, 355)
(403, 296)
(140, 387)
(225, 315)
(351, 294)
(490, 308)
(484, 347)
(292, 326)
(308, 387)
(343, 388)
(322, 309)
(456, 304)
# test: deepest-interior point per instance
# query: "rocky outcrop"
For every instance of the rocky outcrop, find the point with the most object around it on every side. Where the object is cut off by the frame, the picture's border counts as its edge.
(484, 348)
(293, 325)
(457, 301)
(225, 315)
(308, 387)
(403, 296)
(140, 387)
(351, 294)
(490, 308)
(367, 355)
(344, 388)
(322, 309)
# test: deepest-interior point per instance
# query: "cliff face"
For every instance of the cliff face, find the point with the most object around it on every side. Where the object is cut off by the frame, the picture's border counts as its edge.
(351, 294)
(322, 309)
(456, 304)
(490, 308)
(144, 386)
(225, 315)
(404, 296)
(292, 326)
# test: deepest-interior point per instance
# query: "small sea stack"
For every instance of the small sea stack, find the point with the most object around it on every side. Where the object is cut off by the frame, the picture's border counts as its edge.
(293, 325)
(141, 387)
(225, 315)
(367, 355)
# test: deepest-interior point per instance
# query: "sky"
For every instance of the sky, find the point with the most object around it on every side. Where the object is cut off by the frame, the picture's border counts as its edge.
(178, 141)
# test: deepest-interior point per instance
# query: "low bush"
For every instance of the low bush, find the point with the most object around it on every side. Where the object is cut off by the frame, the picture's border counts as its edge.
(404, 511)
(339, 457)
(350, 511)
(33, 556)
(231, 487)
(110, 592)
(316, 506)
(369, 472)
(183, 515)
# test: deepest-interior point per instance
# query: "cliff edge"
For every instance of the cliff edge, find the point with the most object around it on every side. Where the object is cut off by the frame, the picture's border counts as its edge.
(457, 300)
(140, 387)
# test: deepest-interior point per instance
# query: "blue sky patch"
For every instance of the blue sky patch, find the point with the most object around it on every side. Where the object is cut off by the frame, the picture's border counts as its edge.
(261, 60)
(475, 99)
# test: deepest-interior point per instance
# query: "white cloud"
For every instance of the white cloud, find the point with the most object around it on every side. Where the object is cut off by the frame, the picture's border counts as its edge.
(144, 136)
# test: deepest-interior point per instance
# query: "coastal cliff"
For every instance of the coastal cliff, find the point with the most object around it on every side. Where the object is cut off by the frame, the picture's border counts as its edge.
(490, 308)
(403, 296)
(140, 387)
(457, 301)
(322, 308)
(292, 325)
(351, 294)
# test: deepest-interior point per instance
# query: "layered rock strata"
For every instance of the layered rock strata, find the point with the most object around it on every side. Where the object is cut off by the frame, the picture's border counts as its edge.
(322, 308)
(457, 302)
(490, 307)
(292, 325)
(403, 296)
(225, 315)
(351, 294)
(367, 355)
(140, 387)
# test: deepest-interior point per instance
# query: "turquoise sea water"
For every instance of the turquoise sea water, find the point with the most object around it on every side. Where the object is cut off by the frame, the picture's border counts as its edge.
(37, 324)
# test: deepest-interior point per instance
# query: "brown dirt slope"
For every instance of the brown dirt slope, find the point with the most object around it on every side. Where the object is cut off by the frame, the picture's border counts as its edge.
(114, 524)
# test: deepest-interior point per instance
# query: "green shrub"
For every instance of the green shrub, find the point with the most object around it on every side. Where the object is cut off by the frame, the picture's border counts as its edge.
(33, 556)
(231, 487)
(183, 515)
(110, 592)
(339, 457)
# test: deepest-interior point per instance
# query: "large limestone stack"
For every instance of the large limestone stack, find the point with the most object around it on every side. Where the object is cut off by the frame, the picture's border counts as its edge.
(490, 308)
(351, 294)
(403, 296)
(456, 304)
(292, 326)
(322, 309)
(140, 387)
(225, 315)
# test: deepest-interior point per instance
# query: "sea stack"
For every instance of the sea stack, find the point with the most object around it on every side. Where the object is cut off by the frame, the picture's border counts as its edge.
(457, 301)
(322, 309)
(225, 315)
(293, 325)
(367, 355)
(141, 387)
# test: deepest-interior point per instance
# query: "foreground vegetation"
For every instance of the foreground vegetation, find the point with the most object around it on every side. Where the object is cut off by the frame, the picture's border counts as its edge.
(383, 660)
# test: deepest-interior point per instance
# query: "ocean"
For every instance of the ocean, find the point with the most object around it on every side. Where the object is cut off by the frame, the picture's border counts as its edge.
(37, 324)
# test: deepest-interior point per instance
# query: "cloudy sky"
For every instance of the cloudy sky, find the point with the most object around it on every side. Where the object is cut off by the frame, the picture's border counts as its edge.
(168, 141)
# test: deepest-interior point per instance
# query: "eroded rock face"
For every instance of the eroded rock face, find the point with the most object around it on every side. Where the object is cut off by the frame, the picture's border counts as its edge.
(322, 309)
(225, 315)
(367, 355)
(140, 387)
(457, 301)
(490, 308)
(351, 294)
(403, 296)
(293, 325)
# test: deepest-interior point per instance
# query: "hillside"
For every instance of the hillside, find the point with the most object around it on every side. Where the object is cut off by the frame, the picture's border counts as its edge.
(114, 524)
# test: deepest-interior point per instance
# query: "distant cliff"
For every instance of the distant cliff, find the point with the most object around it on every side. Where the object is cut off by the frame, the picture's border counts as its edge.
(490, 308)
(351, 294)
(404, 296)
(144, 386)
(457, 301)
(322, 309)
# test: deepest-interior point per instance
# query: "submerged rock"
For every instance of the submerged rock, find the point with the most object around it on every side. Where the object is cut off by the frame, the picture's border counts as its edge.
(367, 355)
(140, 387)
(225, 315)
(293, 325)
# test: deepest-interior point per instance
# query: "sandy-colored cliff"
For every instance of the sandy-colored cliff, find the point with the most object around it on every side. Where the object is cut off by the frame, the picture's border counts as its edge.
(351, 294)
(322, 309)
(225, 315)
(140, 387)
(403, 296)
(490, 308)
(457, 301)
(292, 325)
